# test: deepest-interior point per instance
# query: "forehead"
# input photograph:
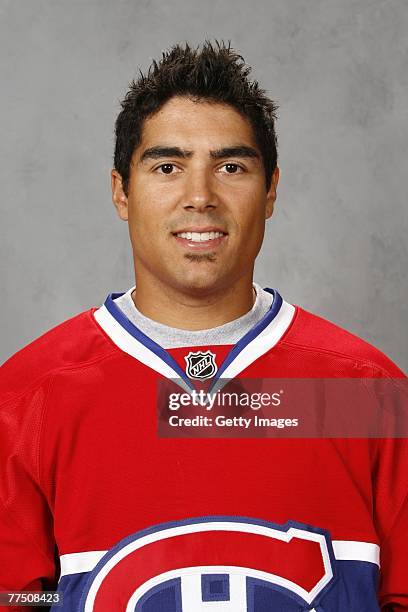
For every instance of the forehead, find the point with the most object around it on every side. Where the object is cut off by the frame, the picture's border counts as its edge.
(188, 123)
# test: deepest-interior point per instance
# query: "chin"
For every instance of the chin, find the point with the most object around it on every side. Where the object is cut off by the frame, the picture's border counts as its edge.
(200, 284)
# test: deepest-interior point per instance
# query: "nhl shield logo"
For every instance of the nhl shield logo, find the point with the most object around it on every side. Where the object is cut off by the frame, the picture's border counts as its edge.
(200, 365)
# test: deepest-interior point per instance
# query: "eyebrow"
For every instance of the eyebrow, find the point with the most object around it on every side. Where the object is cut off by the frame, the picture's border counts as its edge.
(160, 152)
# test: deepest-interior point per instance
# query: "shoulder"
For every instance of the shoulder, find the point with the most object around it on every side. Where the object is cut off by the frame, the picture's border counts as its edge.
(315, 336)
(71, 344)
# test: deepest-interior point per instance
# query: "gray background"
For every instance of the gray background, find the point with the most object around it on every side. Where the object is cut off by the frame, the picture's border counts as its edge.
(338, 68)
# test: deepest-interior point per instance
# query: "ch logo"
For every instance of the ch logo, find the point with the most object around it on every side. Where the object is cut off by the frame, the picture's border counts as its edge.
(200, 365)
(214, 564)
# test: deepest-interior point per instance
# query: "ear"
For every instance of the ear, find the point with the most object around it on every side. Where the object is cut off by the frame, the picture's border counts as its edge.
(271, 195)
(119, 197)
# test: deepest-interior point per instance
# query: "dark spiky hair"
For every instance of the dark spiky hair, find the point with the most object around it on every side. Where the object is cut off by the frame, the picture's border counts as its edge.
(214, 72)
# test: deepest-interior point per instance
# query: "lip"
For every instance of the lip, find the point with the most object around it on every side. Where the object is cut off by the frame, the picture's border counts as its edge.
(209, 228)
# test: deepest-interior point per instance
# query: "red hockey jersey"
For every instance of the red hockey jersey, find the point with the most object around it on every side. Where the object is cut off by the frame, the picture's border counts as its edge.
(95, 503)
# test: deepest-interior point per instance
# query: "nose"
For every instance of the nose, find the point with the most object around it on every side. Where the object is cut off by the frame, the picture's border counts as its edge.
(200, 194)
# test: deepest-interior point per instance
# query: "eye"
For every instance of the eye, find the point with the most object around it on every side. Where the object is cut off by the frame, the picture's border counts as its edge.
(166, 168)
(231, 168)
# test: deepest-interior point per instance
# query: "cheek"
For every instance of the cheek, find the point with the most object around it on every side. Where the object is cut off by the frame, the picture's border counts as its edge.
(149, 232)
(251, 229)
(251, 217)
(144, 216)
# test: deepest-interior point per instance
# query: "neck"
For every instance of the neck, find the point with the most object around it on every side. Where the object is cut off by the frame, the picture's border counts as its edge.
(193, 311)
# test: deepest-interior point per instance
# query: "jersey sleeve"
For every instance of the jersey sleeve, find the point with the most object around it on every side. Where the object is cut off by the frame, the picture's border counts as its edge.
(27, 546)
(394, 564)
(391, 517)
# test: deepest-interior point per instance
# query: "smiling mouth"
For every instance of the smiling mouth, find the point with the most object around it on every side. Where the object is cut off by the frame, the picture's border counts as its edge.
(201, 240)
(200, 236)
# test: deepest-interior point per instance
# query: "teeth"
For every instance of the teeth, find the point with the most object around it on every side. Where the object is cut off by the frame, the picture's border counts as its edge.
(200, 236)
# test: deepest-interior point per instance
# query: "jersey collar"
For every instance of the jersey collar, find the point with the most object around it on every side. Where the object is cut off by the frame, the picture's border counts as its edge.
(263, 336)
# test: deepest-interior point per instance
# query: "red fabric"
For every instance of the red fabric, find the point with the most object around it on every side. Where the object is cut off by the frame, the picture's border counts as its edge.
(82, 466)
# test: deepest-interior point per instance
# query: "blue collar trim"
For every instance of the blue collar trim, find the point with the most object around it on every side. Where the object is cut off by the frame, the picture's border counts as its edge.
(158, 350)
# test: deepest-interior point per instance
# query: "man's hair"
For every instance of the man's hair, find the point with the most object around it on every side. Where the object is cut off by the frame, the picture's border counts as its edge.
(214, 73)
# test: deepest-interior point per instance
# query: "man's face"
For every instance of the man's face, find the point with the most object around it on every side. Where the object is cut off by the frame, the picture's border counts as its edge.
(197, 202)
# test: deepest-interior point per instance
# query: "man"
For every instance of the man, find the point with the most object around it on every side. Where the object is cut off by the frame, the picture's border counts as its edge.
(151, 522)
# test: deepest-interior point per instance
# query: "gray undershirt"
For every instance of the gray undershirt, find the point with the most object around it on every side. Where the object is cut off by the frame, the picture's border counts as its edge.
(172, 337)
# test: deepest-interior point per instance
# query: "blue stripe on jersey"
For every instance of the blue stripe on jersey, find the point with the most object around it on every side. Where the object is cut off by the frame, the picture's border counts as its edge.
(354, 590)
(137, 333)
(252, 333)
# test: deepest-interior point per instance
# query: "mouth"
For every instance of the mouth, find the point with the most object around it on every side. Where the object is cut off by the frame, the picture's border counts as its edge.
(201, 239)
